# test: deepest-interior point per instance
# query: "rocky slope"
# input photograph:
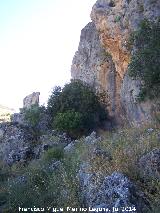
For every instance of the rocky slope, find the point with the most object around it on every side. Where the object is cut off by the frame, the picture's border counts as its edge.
(103, 56)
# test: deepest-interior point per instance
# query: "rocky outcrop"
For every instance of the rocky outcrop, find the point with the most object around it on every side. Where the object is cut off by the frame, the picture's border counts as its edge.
(149, 165)
(100, 191)
(32, 99)
(103, 55)
(18, 143)
(31, 102)
(111, 192)
(93, 65)
(15, 143)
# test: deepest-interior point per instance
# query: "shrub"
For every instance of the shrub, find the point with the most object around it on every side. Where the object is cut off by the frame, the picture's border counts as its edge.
(145, 62)
(69, 121)
(75, 108)
(32, 117)
(41, 187)
(53, 153)
(117, 19)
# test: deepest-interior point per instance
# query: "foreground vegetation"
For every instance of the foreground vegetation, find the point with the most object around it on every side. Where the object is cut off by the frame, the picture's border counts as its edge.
(75, 109)
(42, 183)
(145, 60)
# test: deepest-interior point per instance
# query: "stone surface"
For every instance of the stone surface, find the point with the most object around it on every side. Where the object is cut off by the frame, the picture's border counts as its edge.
(1, 134)
(42, 124)
(93, 65)
(98, 152)
(103, 56)
(70, 147)
(15, 144)
(111, 191)
(92, 139)
(21, 155)
(18, 118)
(57, 165)
(149, 165)
(32, 99)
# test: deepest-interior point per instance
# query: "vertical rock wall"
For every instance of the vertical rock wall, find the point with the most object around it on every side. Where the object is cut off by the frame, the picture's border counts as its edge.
(102, 58)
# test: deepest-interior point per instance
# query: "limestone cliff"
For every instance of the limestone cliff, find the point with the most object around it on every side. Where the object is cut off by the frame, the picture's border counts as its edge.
(102, 58)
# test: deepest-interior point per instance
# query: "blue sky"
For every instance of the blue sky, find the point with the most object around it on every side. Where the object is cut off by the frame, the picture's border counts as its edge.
(38, 39)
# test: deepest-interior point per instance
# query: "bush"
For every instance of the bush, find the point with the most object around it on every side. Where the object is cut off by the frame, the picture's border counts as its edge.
(145, 62)
(75, 108)
(32, 116)
(39, 186)
(53, 153)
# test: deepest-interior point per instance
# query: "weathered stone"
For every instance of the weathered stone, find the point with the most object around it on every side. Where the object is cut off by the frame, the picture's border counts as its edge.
(1, 133)
(55, 165)
(98, 152)
(93, 65)
(42, 124)
(15, 144)
(136, 112)
(149, 165)
(114, 191)
(32, 99)
(103, 56)
(92, 138)
(21, 155)
(70, 147)
(18, 118)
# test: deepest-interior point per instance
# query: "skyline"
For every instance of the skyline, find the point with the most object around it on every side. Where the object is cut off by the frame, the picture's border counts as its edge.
(38, 40)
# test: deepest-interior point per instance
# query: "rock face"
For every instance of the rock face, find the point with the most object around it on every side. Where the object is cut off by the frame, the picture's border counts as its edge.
(15, 143)
(114, 191)
(149, 165)
(102, 58)
(32, 99)
(93, 65)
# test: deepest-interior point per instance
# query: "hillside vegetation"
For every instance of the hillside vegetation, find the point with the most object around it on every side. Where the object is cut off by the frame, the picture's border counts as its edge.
(52, 179)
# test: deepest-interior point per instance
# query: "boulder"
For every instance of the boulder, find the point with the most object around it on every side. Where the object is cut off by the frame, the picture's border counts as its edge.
(16, 143)
(149, 165)
(113, 191)
(18, 118)
(1, 133)
(92, 139)
(70, 147)
(32, 99)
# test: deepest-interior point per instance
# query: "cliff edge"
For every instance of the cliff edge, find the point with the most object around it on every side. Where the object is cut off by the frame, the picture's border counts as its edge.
(103, 56)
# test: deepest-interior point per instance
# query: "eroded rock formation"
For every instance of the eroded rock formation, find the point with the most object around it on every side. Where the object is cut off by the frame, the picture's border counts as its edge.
(103, 55)
(32, 99)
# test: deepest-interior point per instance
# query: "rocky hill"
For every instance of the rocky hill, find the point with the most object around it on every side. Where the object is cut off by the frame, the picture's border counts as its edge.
(44, 169)
(103, 56)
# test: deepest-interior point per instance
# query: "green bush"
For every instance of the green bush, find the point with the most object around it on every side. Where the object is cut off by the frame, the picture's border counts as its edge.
(75, 108)
(41, 187)
(145, 62)
(117, 19)
(32, 115)
(53, 153)
(69, 121)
